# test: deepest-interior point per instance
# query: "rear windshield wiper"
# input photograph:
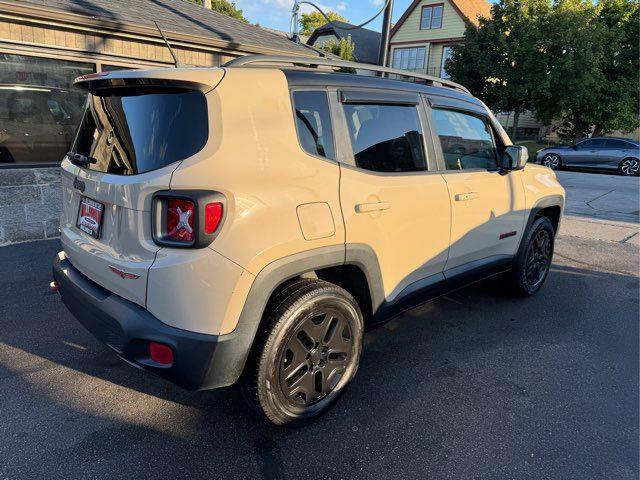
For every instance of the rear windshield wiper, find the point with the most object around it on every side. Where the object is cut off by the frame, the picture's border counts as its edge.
(80, 159)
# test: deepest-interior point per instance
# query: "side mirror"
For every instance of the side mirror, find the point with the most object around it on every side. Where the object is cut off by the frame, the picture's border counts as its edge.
(515, 157)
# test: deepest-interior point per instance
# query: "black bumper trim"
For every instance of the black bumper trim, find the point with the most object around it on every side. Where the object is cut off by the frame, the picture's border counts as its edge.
(201, 361)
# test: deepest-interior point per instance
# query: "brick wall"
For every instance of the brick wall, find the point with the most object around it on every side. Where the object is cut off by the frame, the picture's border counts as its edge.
(30, 204)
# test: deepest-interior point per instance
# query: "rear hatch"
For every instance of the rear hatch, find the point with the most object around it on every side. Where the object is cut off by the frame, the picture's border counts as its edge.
(136, 129)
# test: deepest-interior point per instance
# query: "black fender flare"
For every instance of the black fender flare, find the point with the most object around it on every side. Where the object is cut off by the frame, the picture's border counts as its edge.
(233, 348)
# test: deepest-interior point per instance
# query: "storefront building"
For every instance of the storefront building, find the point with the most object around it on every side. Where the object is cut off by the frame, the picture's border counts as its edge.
(46, 44)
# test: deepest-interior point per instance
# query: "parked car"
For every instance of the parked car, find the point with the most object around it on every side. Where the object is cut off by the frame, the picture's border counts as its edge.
(621, 154)
(37, 123)
(249, 224)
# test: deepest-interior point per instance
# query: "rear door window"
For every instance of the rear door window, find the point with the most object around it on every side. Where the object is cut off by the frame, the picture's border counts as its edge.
(313, 123)
(467, 140)
(141, 131)
(386, 138)
(592, 144)
(614, 144)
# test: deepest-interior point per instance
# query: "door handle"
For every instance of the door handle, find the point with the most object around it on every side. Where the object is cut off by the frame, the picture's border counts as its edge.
(463, 197)
(372, 207)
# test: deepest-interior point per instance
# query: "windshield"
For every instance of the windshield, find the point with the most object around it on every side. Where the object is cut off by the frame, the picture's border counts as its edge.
(129, 132)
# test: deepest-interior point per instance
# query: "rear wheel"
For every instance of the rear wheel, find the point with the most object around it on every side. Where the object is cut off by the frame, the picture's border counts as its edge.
(309, 352)
(552, 160)
(533, 261)
(629, 167)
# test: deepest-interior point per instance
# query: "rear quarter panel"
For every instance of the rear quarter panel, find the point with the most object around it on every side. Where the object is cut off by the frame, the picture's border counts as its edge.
(256, 161)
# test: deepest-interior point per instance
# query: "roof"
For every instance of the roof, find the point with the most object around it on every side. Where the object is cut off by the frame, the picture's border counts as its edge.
(367, 41)
(469, 10)
(178, 16)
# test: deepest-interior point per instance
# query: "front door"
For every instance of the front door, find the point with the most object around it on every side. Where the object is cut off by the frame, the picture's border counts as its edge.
(390, 200)
(487, 205)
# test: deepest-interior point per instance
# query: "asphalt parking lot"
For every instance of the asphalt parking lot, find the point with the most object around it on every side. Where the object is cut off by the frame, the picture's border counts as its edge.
(472, 385)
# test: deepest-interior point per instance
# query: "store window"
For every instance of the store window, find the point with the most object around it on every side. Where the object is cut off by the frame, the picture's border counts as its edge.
(39, 108)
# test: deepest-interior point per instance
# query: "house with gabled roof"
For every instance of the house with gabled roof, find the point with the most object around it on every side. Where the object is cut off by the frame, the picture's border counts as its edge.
(422, 39)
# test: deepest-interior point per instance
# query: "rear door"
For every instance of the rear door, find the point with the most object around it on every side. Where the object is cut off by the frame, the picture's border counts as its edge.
(487, 204)
(135, 139)
(391, 198)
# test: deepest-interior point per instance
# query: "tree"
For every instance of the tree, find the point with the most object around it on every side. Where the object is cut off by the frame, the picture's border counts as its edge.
(574, 50)
(570, 61)
(310, 21)
(501, 60)
(227, 7)
(616, 100)
(344, 48)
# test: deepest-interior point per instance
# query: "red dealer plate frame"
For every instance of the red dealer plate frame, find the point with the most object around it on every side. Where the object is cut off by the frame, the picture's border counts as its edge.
(90, 215)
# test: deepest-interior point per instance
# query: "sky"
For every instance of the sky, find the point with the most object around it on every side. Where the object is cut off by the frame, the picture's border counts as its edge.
(277, 13)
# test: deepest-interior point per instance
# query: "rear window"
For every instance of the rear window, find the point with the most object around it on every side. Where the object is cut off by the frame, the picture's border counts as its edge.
(129, 132)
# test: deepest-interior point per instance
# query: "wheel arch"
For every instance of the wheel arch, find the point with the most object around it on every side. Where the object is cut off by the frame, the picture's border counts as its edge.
(352, 267)
(550, 207)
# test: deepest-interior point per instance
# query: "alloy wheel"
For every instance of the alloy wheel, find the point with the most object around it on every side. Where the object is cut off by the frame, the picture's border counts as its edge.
(551, 160)
(315, 357)
(630, 167)
(538, 258)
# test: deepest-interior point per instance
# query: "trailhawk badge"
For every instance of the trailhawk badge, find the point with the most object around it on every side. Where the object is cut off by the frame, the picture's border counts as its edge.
(122, 274)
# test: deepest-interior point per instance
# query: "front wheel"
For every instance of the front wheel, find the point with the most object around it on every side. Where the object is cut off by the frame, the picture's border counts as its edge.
(552, 160)
(310, 351)
(533, 261)
(629, 167)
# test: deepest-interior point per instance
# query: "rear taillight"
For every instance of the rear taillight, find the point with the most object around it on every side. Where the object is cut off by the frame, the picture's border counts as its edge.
(212, 217)
(180, 220)
(188, 219)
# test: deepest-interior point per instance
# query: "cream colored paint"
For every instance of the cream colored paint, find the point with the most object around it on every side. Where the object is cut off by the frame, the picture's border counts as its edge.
(411, 236)
(484, 205)
(258, 164)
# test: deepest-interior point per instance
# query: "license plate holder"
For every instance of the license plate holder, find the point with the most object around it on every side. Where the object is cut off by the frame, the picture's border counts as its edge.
(90, 215)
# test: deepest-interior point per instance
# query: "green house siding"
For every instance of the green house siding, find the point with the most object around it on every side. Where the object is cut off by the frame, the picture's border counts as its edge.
(409, 31)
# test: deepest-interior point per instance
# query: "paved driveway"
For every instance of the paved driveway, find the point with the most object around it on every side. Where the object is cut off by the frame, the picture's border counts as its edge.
(473, 385)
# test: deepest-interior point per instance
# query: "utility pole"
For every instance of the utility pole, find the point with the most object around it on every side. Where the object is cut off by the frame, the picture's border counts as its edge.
(384, 38)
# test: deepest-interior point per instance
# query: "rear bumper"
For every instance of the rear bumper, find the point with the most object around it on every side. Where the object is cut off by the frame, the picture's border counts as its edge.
(200, 361)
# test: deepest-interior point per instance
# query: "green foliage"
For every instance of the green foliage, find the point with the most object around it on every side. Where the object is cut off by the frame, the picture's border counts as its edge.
(345, 48)
(227, 7)
(310, 21)
(567, 60)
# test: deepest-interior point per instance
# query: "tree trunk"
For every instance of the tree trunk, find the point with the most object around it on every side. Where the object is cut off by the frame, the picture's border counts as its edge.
(206, 4)
(514, 128)
(597, 131)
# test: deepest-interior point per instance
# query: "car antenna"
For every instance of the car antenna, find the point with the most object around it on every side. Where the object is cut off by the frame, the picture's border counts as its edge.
(176, 62)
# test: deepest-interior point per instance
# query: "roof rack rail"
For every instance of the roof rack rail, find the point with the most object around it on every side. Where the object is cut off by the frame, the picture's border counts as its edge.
(328, 62)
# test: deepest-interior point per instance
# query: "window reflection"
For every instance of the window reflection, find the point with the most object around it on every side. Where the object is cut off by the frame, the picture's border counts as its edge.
(39, 109)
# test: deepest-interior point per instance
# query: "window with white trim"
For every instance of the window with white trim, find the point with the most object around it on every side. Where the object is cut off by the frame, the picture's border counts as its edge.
(431, 17)
(413, 58)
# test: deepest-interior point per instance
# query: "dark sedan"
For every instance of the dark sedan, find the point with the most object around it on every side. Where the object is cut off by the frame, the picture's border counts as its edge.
(621, 154)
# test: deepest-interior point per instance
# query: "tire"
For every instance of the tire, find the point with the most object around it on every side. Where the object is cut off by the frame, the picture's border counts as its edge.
(526, 281)
(552, 160)
(629, 167)
(307, 352)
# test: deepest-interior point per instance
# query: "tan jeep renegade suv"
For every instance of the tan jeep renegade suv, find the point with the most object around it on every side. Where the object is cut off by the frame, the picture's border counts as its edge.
(251, 222)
